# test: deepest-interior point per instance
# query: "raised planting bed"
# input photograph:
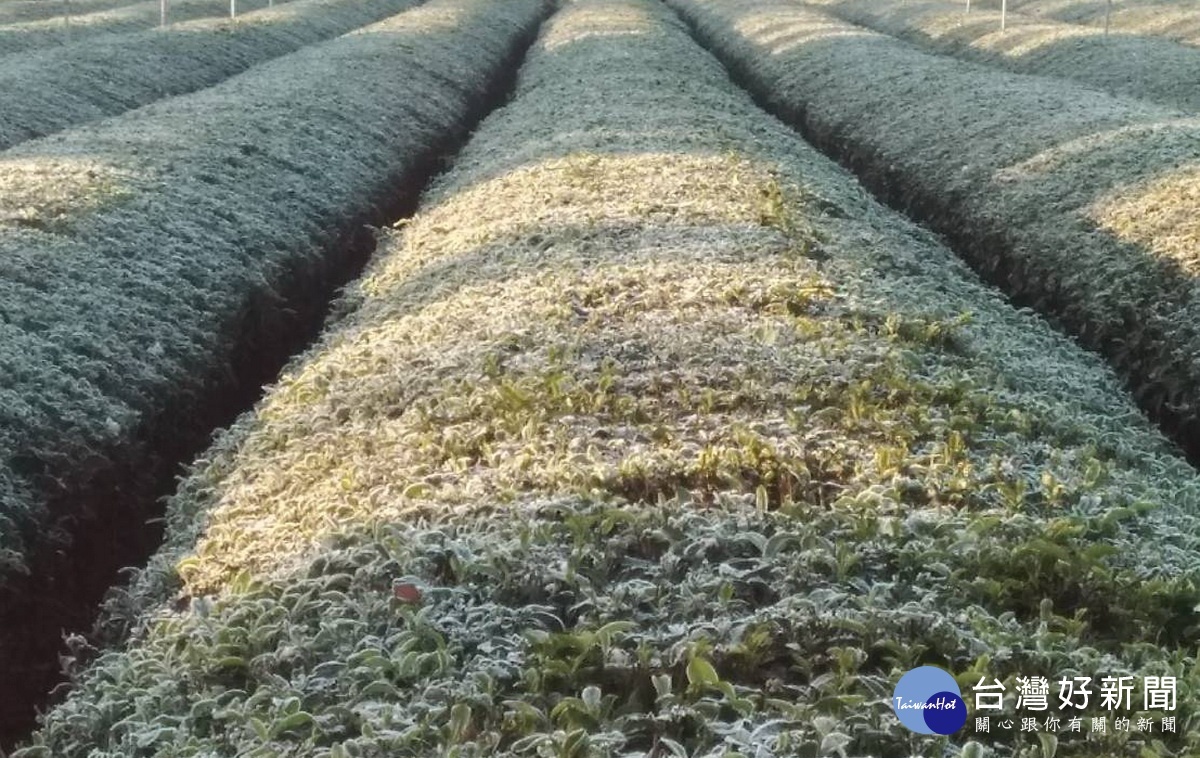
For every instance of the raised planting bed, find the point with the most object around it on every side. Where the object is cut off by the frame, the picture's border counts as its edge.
(53, 32)
(1174, 19)
(1145, 67)
(16, 11)
(156, 268)
(49, 90)
(1077, 204)
(650, 434)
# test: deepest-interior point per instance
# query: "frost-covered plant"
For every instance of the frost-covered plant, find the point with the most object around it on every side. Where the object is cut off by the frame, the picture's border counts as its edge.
(650, 434)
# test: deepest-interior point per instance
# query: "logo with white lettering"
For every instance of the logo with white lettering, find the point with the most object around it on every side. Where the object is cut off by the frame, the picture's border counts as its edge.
(927, 700)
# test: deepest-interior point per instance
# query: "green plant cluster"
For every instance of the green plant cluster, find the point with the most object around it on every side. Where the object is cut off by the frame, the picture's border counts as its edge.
(651, 434)
(574, 628)
(1074, 202)
(48, 90)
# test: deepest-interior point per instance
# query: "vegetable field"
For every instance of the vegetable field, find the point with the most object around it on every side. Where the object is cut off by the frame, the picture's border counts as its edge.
(1075, 202)
(60, 87)
(65, 29)
(1149, 68)
(526, 378)
(1173, 19)
(16, 11)
(145, 257)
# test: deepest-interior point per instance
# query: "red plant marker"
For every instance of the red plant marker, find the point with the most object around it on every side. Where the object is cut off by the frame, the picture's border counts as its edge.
(407, 593)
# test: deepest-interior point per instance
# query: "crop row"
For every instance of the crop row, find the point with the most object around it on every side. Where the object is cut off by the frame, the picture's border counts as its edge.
(1152, 69)
(49, 90)
(150, 262)
(1076, 203)
(54, 32)
(1173, 19)
(16, 11)
(651, 433)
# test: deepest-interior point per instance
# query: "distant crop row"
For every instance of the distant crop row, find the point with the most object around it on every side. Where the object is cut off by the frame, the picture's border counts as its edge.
(1076, 203)
(16, 11)
(650, 434)
(1174, 19)
(1153, 69)
(54, 31)
(147, 259)
(49, 90)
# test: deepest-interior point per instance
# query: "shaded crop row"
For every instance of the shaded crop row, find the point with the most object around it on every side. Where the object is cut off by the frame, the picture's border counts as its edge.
(157, 267)
(16, 11)
(651, 433)
(58, 31)
(49, 90)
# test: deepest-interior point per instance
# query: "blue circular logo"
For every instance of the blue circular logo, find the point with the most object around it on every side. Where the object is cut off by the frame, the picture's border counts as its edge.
(927, 700)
